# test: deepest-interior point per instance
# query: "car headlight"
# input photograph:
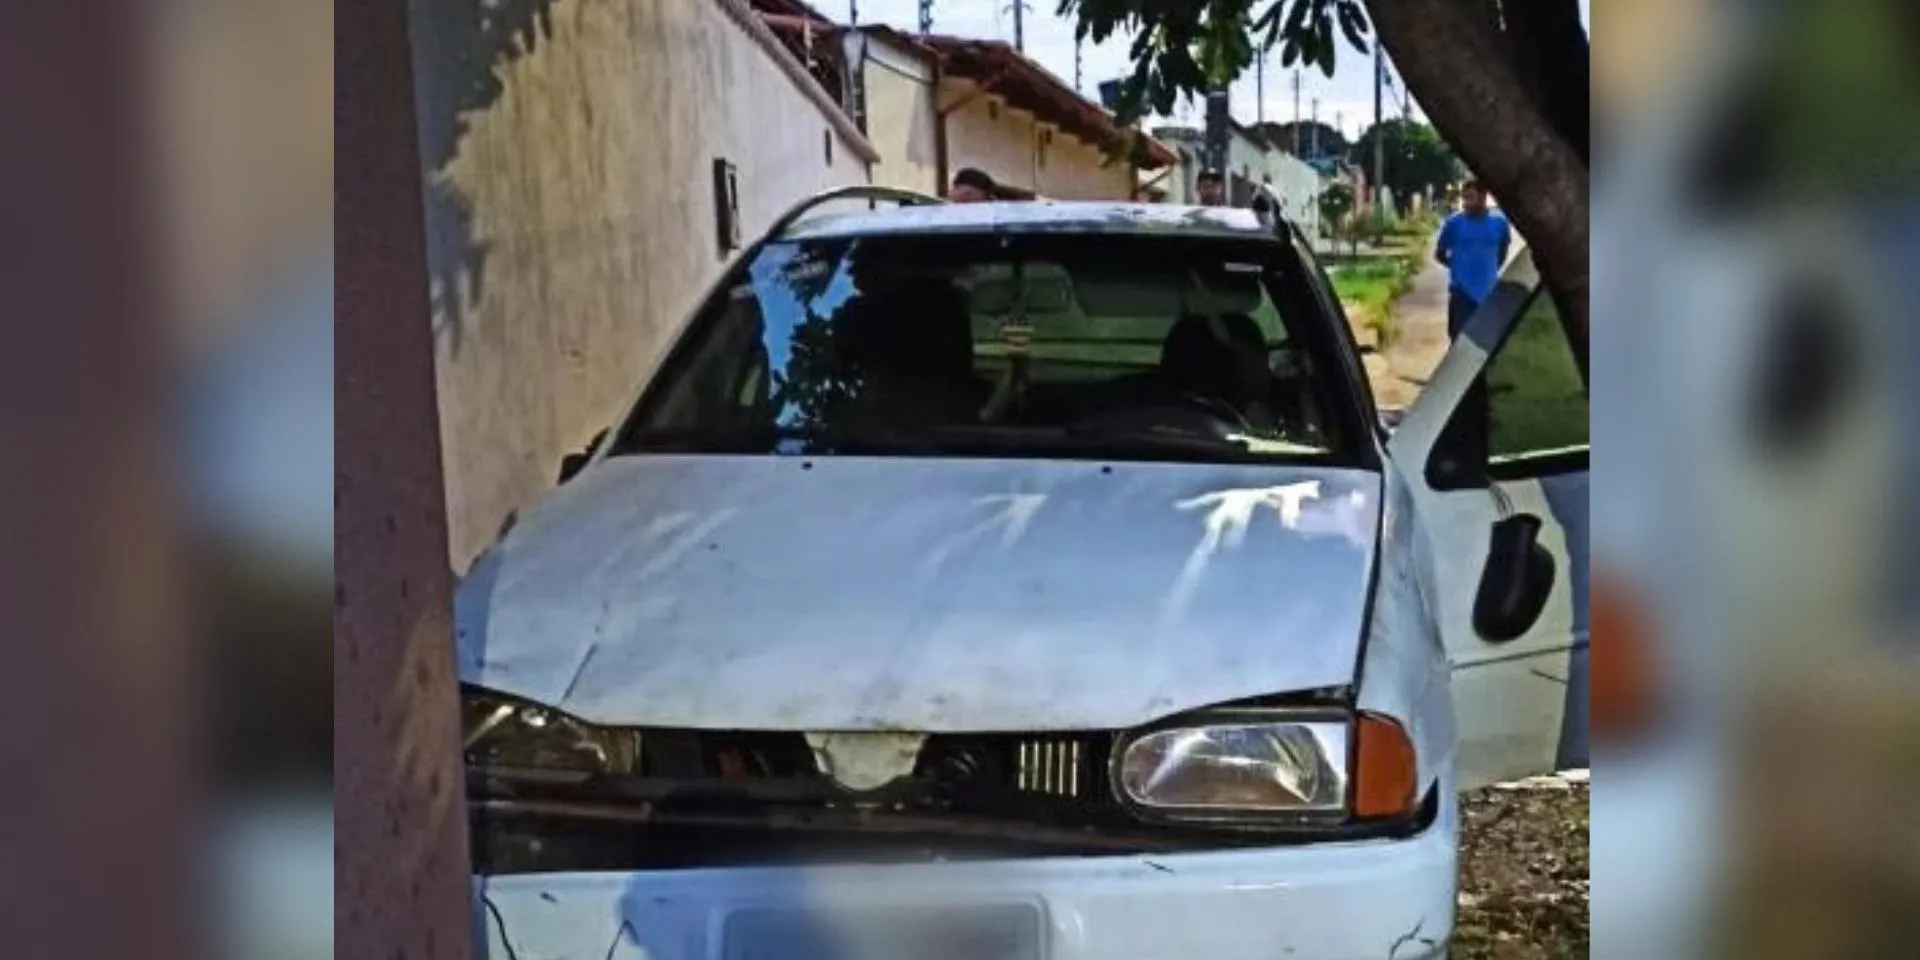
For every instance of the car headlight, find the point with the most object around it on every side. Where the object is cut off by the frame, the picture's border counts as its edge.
(504, 732)
(1308, 767)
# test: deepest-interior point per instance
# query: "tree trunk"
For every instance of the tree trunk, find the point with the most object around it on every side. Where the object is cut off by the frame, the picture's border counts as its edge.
(401, 870)
(1455, 62)
(1550, 50)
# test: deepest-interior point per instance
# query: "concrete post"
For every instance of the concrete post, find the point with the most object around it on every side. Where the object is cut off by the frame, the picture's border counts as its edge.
(1219, 130)
(401, 866)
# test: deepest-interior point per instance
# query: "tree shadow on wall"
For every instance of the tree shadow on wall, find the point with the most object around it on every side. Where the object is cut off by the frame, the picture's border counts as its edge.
(461, 49)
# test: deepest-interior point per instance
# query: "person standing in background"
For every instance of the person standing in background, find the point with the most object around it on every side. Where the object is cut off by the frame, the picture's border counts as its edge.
(972, 185)
(1210, 189)
(1473, 245)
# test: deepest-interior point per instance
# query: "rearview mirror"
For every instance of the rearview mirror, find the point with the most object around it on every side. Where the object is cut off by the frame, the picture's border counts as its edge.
(1516, 581)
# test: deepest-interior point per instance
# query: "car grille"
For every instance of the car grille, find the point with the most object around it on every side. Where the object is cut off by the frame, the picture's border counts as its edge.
(1050, 766)
(1033, 767)
(703, 799)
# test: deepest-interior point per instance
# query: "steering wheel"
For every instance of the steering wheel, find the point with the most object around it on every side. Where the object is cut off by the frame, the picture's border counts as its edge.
(1194, 414)
(1221, 410)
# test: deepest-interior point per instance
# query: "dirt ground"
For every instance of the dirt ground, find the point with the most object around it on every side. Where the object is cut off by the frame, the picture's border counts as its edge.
(1523, 892)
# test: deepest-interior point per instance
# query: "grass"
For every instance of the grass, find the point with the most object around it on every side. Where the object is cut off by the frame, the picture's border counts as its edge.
(1538, 401)
(1416, 228)
(1369, 284)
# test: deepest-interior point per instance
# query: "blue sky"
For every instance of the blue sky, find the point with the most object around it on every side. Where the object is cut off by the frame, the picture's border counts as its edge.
(1345, 99)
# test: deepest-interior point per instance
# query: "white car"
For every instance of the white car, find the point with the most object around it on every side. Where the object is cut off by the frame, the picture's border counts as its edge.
(1026, 581)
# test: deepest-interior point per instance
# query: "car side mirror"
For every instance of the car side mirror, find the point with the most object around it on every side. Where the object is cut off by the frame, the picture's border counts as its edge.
(573, 463)
(1516, 581)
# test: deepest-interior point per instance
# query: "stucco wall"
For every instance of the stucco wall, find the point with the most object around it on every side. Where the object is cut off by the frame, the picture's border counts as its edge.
(1010, 146)
(1074, 170)
(569, 148)
(902, 122)
(987, 134)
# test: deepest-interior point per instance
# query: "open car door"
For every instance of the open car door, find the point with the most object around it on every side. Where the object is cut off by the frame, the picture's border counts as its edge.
(1495, 453)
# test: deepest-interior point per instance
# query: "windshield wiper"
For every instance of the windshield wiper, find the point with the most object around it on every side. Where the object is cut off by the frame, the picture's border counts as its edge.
(774, 440)
(1156, 440)
(970, 440)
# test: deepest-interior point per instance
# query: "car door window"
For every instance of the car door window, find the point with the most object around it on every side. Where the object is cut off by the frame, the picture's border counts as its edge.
(1537, 399)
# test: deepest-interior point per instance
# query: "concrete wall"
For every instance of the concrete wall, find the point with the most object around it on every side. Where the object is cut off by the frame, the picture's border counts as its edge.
(1179, 183)
(1298, 187)
(569, 149)
(1015, 149)
(902, 120)
(1297, 184)
(1246, 158)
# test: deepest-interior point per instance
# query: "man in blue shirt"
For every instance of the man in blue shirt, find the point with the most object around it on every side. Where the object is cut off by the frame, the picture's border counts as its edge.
(1473, 245)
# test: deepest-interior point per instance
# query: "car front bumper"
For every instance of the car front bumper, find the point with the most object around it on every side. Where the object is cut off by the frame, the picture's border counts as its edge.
(1367, 900)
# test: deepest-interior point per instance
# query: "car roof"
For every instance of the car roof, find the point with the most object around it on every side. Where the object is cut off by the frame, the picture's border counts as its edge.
(1039, 216)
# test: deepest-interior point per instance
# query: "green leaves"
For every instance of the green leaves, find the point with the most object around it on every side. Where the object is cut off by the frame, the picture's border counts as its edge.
(1417, 159)
(1353, 23)
(1307, 37)
(1336, 201)
(1185, 47)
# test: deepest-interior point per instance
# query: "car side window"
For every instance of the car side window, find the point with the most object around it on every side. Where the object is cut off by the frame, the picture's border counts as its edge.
(1536, 395)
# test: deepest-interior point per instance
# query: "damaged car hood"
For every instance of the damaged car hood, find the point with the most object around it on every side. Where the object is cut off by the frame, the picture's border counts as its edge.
(927, 595)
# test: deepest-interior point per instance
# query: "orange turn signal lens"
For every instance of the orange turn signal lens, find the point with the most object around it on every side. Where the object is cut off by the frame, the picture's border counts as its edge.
(1620, 683)
(1384, 775)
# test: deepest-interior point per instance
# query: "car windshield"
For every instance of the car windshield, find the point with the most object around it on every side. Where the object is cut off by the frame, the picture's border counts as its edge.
(1143, 348)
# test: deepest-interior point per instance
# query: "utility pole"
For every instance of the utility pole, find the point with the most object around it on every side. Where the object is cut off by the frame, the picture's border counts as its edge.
(1379, 135)
(1260, 88)
(1076, 65)
(853, 11)
(1219, 121)
(1296, 111)
(926, 16)
(1316, 126)
(1019, 8)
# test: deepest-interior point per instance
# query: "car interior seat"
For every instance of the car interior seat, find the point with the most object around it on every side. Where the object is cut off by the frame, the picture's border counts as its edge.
(918, 346)
(1222, 357)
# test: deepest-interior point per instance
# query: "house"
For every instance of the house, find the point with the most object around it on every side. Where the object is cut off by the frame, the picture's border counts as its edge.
(1253, 161)
(934, 105)
(1319, 144)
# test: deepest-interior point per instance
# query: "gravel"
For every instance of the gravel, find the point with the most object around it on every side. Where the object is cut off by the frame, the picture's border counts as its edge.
(1523, 885)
